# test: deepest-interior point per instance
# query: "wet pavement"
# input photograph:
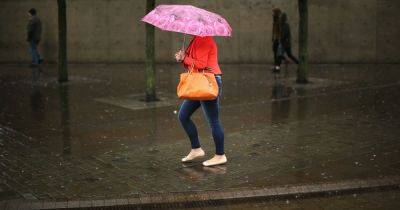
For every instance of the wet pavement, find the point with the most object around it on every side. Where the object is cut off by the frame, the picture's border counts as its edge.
(94, 138)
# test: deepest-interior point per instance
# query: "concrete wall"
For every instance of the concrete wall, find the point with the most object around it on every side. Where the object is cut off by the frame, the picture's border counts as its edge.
(341, 31)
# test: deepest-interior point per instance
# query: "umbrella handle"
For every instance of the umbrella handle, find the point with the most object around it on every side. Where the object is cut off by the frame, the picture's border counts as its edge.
(183, 43)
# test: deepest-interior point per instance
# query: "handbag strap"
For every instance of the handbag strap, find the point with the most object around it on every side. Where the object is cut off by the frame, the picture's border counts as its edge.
(192, 69)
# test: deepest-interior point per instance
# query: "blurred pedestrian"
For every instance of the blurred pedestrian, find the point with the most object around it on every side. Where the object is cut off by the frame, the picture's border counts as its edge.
(286, 38)
(202, 55)
(276, 37)
(34, 31)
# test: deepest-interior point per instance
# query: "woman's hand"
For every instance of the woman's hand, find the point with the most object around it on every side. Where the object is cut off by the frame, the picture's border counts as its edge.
(179, 56)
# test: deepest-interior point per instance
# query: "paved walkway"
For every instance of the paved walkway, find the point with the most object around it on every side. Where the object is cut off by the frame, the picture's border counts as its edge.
(226, 197)
(91, 140)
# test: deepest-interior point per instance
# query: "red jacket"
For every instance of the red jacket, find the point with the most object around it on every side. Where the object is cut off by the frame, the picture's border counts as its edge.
(202, 52)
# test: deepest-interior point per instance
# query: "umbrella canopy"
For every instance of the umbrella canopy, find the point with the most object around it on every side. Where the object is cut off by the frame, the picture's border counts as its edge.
(188, 19)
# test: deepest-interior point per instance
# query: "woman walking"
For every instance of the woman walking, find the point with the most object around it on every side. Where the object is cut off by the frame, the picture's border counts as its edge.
(202, 55)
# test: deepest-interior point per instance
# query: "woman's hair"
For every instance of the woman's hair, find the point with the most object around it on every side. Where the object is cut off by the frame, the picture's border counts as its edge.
(276, 13)
(32, 11)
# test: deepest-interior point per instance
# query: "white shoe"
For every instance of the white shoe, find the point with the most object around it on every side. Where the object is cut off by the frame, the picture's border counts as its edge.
(216, 160)
(194, 153)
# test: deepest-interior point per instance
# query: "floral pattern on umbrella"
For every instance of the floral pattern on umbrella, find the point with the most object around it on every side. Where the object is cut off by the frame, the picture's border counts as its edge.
(188, 19)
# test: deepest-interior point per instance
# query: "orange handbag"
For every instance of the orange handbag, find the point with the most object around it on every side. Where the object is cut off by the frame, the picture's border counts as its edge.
(197, 85)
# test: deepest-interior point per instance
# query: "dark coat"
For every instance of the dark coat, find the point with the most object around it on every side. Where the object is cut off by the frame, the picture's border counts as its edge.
(34, 30)
(286, 38)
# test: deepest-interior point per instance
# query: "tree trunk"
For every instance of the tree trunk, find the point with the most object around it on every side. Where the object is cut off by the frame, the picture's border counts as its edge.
(62, 41)
(150, 57)
(302, 72)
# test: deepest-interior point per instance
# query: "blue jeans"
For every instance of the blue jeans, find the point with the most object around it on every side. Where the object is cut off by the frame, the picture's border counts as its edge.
(34, 52)
(211, 111)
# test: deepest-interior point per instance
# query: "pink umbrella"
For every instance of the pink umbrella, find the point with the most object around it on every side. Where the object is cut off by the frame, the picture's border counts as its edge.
(188, 19)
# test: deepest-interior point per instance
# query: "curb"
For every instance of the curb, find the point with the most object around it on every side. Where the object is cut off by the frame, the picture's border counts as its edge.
(159, 199)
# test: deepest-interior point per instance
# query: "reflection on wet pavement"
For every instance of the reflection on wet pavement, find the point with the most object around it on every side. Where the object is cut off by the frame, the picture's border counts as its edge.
(198, 172)
(62, 142)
